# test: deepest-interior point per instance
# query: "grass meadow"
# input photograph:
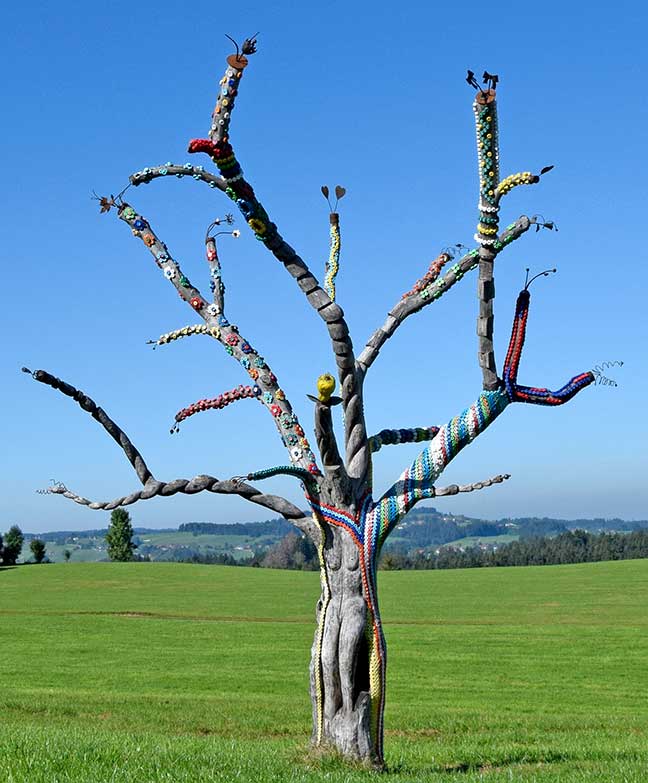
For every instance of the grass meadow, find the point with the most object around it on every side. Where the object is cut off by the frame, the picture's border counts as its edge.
(155, 672)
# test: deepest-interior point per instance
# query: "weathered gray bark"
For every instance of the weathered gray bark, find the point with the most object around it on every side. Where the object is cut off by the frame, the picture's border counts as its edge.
(340, 658)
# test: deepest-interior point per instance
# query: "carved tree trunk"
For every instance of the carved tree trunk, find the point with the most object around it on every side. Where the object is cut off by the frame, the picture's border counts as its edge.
(347, 671)
(348, 664)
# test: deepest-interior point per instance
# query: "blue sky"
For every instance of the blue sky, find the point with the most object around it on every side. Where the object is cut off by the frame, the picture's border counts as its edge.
(369, 95)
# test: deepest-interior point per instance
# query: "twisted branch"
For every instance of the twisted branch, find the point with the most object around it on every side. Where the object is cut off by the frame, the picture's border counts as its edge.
(239, 190)
(152, 487)
(218, 147)
(416, 300)
(272, 397)
(454, 489)
(100, 415)
(201, 483)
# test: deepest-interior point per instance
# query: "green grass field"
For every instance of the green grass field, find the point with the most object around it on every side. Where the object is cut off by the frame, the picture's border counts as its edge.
(165, 672)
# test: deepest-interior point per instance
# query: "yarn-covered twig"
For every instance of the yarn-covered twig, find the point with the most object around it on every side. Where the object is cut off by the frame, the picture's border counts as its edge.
(430, 276)
(216, 403)
(395, 437)
(185, 331)
(216, 282)
(530, 394)
(411, 304)
(220, 329)
(520, 178)
(333, 263)
(281, 470)
(172, 170)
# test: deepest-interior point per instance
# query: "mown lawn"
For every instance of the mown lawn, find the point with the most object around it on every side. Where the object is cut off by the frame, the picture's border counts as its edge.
(169, 672)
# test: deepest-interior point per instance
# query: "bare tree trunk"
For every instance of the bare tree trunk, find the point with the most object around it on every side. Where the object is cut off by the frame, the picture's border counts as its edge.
(347, 669)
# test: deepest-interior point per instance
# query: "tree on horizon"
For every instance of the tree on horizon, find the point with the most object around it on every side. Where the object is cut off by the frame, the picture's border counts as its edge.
(37, 547)
(12, 546)
(347, 525)
(119, 537)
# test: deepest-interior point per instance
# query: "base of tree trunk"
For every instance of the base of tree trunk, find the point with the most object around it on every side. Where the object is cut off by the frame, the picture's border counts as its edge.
(344, 717)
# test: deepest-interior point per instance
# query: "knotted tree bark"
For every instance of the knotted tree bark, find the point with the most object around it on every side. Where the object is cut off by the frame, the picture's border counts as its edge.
(347, 524)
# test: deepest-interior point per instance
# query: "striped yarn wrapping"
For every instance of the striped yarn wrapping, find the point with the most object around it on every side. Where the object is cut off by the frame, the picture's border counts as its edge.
(416, 483)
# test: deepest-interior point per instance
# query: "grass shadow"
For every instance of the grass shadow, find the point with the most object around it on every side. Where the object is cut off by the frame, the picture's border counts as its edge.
(483, 766)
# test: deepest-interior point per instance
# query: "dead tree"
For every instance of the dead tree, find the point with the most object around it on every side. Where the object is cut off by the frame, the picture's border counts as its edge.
(347, 524)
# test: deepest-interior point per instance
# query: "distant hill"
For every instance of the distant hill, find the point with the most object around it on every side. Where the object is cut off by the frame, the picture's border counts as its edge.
(424, 529)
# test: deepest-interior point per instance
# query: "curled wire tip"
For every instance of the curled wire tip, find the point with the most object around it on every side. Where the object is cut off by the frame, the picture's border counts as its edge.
(539, 222)
(56, 488)
(545, 273)
(603, 380)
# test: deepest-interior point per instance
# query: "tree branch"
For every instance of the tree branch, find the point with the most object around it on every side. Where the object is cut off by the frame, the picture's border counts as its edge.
(202, 483)
(332, 462)
(283, 470)
(273, 398)
(391, 437)
(333, 263)
(172, 170)
(530, 394)
(412, 492)
(485, 109)
(241, 192)
(514, 181)
(455, 489)
(185, 331)
(216, 403)
(416, 300)
(417, 481)
(152, 487)
(100, 415)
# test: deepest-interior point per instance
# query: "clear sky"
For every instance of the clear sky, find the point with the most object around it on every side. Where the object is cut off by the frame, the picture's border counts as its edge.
(367, 94)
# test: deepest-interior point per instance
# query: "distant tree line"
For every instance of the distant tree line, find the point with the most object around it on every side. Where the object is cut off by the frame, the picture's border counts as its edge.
(294, 552)
(271, 527)
(436, 532)
(577, 546)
